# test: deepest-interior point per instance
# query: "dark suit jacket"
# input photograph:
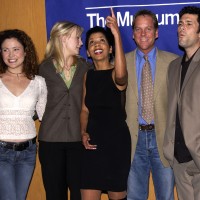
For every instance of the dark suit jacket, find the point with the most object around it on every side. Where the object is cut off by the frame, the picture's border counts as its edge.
(61, 120)
(188, 100)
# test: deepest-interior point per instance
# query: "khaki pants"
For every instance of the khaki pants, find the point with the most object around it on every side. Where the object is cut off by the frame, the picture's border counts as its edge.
(187, 178)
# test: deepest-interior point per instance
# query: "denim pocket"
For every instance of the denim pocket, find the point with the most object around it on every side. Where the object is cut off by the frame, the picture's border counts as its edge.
(3, 151)
(5, 155)
(29, 155)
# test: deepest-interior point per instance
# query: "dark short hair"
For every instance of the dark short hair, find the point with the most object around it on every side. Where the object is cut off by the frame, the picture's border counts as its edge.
(97, 29)
(145, 12)
(194, 10)
(30, 65)
(108, 35)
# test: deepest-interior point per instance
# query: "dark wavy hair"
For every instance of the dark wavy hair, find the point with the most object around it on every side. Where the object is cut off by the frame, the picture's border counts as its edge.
(108, 35)
(193, 10)
(30, 64)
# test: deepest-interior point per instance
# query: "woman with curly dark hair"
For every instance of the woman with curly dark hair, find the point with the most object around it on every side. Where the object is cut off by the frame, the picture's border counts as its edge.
(21, 93)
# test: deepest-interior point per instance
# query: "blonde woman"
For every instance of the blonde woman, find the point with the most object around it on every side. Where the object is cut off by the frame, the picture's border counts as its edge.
(59, 135)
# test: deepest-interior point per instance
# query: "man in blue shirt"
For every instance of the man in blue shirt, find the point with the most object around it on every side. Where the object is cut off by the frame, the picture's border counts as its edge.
(182, 137)
(147, 136)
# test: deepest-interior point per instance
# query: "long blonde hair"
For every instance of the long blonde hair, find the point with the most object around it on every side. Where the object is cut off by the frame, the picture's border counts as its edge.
(54, 45)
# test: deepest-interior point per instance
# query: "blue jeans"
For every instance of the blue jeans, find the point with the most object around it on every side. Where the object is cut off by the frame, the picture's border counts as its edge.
(16, 169)
(147, 159)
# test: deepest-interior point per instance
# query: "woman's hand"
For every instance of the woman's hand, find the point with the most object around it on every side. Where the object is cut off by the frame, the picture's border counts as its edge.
(85, 141)
(111, 22)
(120, 75)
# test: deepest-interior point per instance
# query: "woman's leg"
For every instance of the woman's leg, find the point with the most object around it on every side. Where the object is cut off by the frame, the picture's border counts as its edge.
(24, 168)
(73, 157)
(53, 163)
(90, 194)
(117, 195)
(7, 174)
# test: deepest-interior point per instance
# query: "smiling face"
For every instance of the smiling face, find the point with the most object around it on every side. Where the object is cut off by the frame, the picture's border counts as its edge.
(98, 47)
(72, 43)
(188, 35)
(144, 33)
(13, 54)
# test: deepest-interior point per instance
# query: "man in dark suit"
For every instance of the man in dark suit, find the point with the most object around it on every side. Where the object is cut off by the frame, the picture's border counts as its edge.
(182, 138)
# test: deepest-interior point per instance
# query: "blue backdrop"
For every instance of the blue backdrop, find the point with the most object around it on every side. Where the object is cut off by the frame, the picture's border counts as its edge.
(89, 13)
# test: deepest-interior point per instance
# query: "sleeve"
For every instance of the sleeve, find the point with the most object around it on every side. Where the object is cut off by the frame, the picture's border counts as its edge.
(42, 98)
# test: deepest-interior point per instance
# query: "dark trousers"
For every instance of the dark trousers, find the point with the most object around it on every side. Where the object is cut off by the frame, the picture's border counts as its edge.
(61, 164)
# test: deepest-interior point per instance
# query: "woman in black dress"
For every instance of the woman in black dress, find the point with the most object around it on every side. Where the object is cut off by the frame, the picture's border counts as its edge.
(105, 135)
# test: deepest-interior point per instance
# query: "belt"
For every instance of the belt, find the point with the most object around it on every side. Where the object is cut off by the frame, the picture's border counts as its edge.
(18, 146)
(149, 127)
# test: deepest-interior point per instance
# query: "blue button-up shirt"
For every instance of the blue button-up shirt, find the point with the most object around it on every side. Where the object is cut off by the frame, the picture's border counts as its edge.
(139, 65)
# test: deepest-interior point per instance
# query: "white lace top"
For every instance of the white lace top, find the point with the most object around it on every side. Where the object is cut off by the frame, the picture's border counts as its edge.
(16, 112)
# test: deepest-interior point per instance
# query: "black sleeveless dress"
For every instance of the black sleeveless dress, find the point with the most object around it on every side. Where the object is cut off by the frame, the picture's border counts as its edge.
(107, 167)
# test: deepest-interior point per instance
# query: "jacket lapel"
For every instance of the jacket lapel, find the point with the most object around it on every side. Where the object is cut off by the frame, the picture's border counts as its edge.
(75, 75)
(132, 73)
(58, 76)
(193, 65)
(159, 74)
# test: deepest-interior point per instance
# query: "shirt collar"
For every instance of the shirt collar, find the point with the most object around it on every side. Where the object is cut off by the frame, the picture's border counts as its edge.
(151, 54)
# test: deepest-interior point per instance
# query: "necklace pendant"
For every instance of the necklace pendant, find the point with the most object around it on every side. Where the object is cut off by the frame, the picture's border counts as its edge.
(68, 75)
(15, 74)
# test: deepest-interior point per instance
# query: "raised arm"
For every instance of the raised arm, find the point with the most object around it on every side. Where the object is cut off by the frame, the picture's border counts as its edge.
(120, 72)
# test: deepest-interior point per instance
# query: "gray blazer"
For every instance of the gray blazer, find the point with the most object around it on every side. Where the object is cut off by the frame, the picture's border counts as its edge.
(188, 100)
(163, 59)
(61, 120)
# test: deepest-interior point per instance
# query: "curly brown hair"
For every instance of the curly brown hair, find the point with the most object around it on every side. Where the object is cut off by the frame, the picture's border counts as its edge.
(30, 64)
